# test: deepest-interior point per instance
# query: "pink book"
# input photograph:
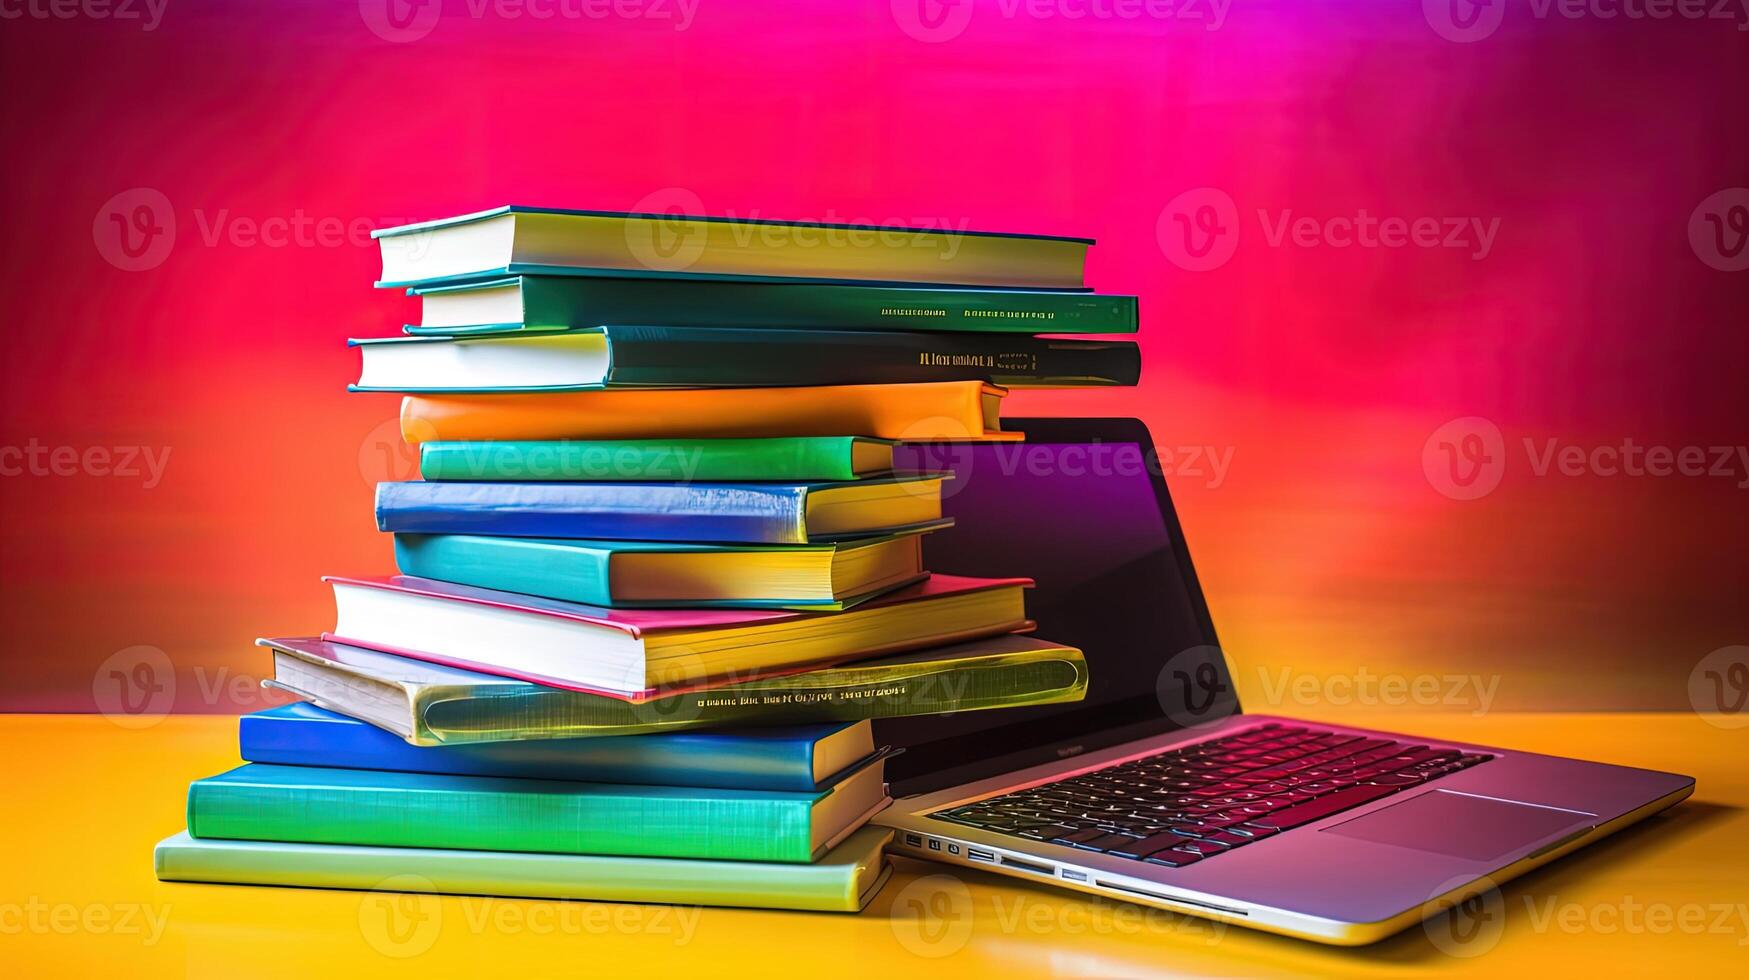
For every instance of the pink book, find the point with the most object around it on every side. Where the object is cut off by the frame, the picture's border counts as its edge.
(640, 654)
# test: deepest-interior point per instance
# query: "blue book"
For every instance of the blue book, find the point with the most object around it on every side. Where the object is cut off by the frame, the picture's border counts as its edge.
(798, 759)
(725, 513)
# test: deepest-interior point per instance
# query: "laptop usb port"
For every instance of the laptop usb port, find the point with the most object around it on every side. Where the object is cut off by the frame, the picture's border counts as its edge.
(978, 855)
(913, 840)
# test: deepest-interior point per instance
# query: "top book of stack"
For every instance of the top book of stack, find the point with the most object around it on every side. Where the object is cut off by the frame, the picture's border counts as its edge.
(515, 240)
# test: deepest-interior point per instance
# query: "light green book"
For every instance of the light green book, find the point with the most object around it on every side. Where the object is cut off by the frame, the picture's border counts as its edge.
(842, 881)
(785, 460)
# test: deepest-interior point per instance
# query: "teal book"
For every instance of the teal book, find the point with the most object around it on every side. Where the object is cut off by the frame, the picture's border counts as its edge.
(298, 804)
(795, 459)
(656, 574)
(544, 302)
(843, 880)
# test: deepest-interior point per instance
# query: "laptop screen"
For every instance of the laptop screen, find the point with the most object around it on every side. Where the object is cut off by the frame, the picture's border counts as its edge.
(1081, 508)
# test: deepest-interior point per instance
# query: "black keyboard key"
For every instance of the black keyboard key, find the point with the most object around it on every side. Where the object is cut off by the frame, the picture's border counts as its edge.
(1142, 847)
(1172, 858)
(1047, 832)
(1107, 842)
(1322, 807)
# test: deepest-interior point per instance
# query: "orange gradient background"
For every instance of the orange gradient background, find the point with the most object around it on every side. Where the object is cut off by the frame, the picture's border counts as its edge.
(1321, 373)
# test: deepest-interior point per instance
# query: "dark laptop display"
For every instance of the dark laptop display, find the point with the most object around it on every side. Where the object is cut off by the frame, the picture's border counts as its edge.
(1080, 507)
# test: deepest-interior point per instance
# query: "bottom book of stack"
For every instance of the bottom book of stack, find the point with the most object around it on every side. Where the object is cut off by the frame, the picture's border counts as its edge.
(841, 881)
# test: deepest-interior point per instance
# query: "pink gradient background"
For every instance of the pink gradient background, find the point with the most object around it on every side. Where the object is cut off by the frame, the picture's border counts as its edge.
(1324, 371)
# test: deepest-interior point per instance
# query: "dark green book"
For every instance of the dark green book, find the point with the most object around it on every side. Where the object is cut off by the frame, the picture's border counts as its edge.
(735, 357)
(539, 302)
(309, 805)
(794, 459)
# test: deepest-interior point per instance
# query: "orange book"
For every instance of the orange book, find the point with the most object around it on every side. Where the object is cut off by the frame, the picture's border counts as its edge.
(946, 410)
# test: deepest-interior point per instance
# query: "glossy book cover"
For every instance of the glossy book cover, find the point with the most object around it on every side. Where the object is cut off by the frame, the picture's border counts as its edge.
(717, 513)
(303, 804)
(697, 648)
(546, 302)
(432, 704)
(842, 880)
(795, 759)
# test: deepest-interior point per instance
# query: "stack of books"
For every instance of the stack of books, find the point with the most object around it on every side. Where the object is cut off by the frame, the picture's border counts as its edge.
(660, 573)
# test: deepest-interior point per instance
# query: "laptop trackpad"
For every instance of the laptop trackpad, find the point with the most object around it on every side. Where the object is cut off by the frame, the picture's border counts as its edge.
(1461, 825)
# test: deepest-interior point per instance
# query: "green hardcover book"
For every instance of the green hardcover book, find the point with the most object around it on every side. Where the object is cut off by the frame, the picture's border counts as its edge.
(431, 704)
(842, 881)
(657, 574)
(541, 302)
(797, 459)
(303, 804)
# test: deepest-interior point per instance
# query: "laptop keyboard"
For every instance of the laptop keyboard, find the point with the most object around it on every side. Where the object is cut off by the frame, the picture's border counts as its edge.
(1191, 804)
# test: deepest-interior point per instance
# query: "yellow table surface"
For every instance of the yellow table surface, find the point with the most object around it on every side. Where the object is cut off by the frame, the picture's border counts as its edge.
(87, 799)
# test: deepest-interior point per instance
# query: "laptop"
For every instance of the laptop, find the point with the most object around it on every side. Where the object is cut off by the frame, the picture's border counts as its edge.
(1158, 788)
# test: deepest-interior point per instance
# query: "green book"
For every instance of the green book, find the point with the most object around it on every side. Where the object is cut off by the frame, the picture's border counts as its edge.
(433, 704)
(780, 460)
(302, 804)
(842, 881)
(569, 302)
